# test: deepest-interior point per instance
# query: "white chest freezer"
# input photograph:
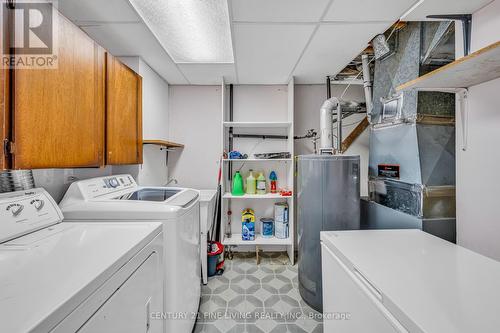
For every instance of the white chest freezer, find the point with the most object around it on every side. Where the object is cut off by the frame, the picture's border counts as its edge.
(382, 281)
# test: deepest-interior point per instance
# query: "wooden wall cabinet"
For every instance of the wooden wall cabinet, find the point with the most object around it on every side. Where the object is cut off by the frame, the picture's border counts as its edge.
(59, 113)
(123, 114)
(86, 113)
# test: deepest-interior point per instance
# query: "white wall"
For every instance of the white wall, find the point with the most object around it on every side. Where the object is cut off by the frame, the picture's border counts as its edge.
(478, 226)
(195, 120)
(154, 100)
(155, 119)
(155, 126)
(57, 181)
(308, 101)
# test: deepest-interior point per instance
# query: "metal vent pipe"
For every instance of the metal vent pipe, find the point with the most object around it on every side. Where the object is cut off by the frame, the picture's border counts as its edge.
(326, 124)
(367, 82)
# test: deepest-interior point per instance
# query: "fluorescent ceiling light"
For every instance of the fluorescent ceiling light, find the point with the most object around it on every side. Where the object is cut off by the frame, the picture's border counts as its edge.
(192, 31)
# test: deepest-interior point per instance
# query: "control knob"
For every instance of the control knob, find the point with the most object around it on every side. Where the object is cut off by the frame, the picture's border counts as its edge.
(15, 209)
(38, 203)
(113, 182)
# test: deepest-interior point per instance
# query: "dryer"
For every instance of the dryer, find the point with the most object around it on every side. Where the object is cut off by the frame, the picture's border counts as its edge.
(68, 277)
(119, 199)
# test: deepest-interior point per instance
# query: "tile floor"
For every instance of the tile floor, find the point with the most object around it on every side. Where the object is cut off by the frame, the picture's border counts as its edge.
(256, 298)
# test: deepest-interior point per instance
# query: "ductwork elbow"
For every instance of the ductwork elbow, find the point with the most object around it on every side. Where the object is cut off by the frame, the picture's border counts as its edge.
(326, 124)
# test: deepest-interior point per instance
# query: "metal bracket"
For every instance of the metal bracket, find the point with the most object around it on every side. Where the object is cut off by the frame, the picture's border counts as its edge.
(466, 20)
(167, 150)
(464, 115)
(6, 151)
(8, 147)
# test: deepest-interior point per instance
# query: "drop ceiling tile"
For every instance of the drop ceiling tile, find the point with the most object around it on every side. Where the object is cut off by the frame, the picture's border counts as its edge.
(136, 40)
(430, 7)
(267, 53)
(278, 10)
(209, 74)
(98, 10)
(372, 10)
(333, 47)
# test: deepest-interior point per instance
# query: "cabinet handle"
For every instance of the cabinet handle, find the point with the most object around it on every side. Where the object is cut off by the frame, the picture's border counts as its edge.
(367, 284)
(369, 290)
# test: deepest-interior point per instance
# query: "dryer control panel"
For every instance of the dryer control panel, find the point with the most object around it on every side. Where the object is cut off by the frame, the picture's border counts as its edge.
(26, 211)
(119, 182)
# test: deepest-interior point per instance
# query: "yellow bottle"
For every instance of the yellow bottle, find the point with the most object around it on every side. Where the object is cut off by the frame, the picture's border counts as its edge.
(251, 183)
(261, 184)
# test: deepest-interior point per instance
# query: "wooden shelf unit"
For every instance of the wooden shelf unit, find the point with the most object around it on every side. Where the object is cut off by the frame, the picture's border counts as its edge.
(476, 68)
(163, 143)
(280, 123)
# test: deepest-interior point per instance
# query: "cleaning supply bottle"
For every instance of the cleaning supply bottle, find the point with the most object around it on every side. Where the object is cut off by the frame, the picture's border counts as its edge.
(274, 182)
(251, 183)
(261, 184)
(238, 185)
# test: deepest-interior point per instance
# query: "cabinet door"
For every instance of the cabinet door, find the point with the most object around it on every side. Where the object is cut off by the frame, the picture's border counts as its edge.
(59, 114)
(123, 114)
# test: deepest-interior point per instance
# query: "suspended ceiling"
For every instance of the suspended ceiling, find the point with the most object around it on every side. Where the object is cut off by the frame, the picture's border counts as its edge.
(273, 40)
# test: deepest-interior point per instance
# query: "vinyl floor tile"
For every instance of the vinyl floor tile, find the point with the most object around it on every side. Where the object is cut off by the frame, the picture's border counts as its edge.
(251, 298)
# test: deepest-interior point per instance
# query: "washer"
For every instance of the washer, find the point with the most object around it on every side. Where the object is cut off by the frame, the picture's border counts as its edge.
(67, 277)
(119, 199)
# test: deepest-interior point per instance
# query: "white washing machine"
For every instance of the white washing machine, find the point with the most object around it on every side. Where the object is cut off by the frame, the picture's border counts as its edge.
(69, 277)
(119, 199)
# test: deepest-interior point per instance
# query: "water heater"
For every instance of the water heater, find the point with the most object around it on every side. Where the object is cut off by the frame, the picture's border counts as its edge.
(328, 199)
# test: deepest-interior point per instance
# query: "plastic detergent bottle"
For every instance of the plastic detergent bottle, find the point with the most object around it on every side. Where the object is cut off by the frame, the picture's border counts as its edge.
(251, 183)
(238, 185)
(274, 182)
(261, 184)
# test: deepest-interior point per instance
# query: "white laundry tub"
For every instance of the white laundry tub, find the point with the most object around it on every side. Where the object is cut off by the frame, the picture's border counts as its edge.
(207, 209)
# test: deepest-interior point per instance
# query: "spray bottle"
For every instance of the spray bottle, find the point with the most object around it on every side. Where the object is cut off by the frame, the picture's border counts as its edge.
(274, 182)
